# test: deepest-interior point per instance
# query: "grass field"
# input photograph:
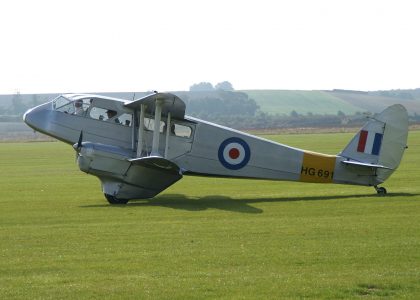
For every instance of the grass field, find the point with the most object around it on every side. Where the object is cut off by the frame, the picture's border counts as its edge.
(205, 238)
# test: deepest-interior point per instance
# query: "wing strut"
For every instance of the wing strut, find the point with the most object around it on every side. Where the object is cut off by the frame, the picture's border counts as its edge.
(156, 132)
(160, 105)
(168, 128)
(141, 131)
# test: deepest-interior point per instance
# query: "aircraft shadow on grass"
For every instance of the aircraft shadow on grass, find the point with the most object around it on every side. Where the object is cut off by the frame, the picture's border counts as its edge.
(179, 201)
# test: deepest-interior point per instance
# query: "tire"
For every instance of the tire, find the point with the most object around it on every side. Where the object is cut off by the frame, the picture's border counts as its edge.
(381, 191)
(114, 200)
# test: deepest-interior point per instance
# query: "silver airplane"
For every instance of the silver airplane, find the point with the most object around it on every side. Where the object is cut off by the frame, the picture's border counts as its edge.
(139, 148)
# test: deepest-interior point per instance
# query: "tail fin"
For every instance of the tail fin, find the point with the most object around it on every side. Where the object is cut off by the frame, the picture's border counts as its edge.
(380, 143)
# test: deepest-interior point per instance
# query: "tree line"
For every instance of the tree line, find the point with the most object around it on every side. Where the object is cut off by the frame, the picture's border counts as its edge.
(219, 104)
(223, 105)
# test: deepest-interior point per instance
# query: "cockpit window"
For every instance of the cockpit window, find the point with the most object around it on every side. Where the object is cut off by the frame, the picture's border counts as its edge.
(63, 104)
(76, 107)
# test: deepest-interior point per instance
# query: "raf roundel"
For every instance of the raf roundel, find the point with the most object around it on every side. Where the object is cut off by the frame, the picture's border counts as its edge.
(234, 153)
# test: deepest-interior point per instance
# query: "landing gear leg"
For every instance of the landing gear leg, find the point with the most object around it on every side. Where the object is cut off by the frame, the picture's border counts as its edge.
(380, 190)
(114, 200)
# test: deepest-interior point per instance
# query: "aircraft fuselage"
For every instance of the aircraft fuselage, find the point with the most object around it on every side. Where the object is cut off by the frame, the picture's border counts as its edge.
(139, 148)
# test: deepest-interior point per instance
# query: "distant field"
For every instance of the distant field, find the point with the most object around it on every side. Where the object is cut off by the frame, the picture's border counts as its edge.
(375, 103)
(325, 102)
(206, 238)
(283, 102)
(19, 131)
(303, 102)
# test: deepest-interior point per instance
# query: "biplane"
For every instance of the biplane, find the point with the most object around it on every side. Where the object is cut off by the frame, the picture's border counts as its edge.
(139, 148)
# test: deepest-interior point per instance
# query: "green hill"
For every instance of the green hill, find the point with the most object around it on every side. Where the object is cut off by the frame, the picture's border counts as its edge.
(330, 102)
(272, 102)
(303, 102)
(377, 101)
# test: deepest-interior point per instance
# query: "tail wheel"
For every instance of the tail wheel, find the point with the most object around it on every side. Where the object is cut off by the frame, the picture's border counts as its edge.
(114, 200)
(380, 190)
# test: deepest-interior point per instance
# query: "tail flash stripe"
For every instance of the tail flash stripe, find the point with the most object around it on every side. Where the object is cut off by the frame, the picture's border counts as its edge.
(377, 144)
(362, 141)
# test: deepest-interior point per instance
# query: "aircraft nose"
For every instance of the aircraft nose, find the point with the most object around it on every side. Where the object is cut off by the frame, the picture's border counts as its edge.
(29, 117)
(36, 117)
(25, 116)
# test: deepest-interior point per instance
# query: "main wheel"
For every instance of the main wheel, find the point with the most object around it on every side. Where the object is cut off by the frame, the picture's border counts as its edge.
(381, 191)
(114, 200)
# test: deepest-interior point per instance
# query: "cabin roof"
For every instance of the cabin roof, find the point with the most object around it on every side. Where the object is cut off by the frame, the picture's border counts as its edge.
(74, 97)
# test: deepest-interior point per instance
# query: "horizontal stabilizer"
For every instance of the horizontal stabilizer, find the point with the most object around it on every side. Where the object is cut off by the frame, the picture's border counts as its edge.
(157, 163)
(364, 165)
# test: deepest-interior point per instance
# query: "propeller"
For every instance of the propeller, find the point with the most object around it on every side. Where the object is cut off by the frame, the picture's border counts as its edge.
(79, 142)
(78, 145)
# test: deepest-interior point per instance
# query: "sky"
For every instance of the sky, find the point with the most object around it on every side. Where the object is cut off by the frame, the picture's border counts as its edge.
(124, 46)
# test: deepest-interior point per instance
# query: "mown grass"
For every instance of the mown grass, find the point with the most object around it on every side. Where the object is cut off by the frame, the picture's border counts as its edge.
(203, 237)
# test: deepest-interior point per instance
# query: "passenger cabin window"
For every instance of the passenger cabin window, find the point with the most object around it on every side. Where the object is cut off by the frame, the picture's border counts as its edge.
(126, 119)
(176, 129)
(112, 116)
(149, 124)
(182, 130)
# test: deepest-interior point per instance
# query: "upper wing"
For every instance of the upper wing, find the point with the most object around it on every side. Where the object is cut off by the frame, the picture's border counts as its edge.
(170, 103)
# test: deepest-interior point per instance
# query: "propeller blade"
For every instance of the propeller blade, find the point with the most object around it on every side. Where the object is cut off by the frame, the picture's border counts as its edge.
(78, 146)
(79, 142)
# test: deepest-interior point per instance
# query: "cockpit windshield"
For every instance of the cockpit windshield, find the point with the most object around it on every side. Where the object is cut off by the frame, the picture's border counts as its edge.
(71, 106)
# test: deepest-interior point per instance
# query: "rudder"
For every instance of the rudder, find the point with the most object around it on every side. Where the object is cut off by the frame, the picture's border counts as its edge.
(381, 142)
